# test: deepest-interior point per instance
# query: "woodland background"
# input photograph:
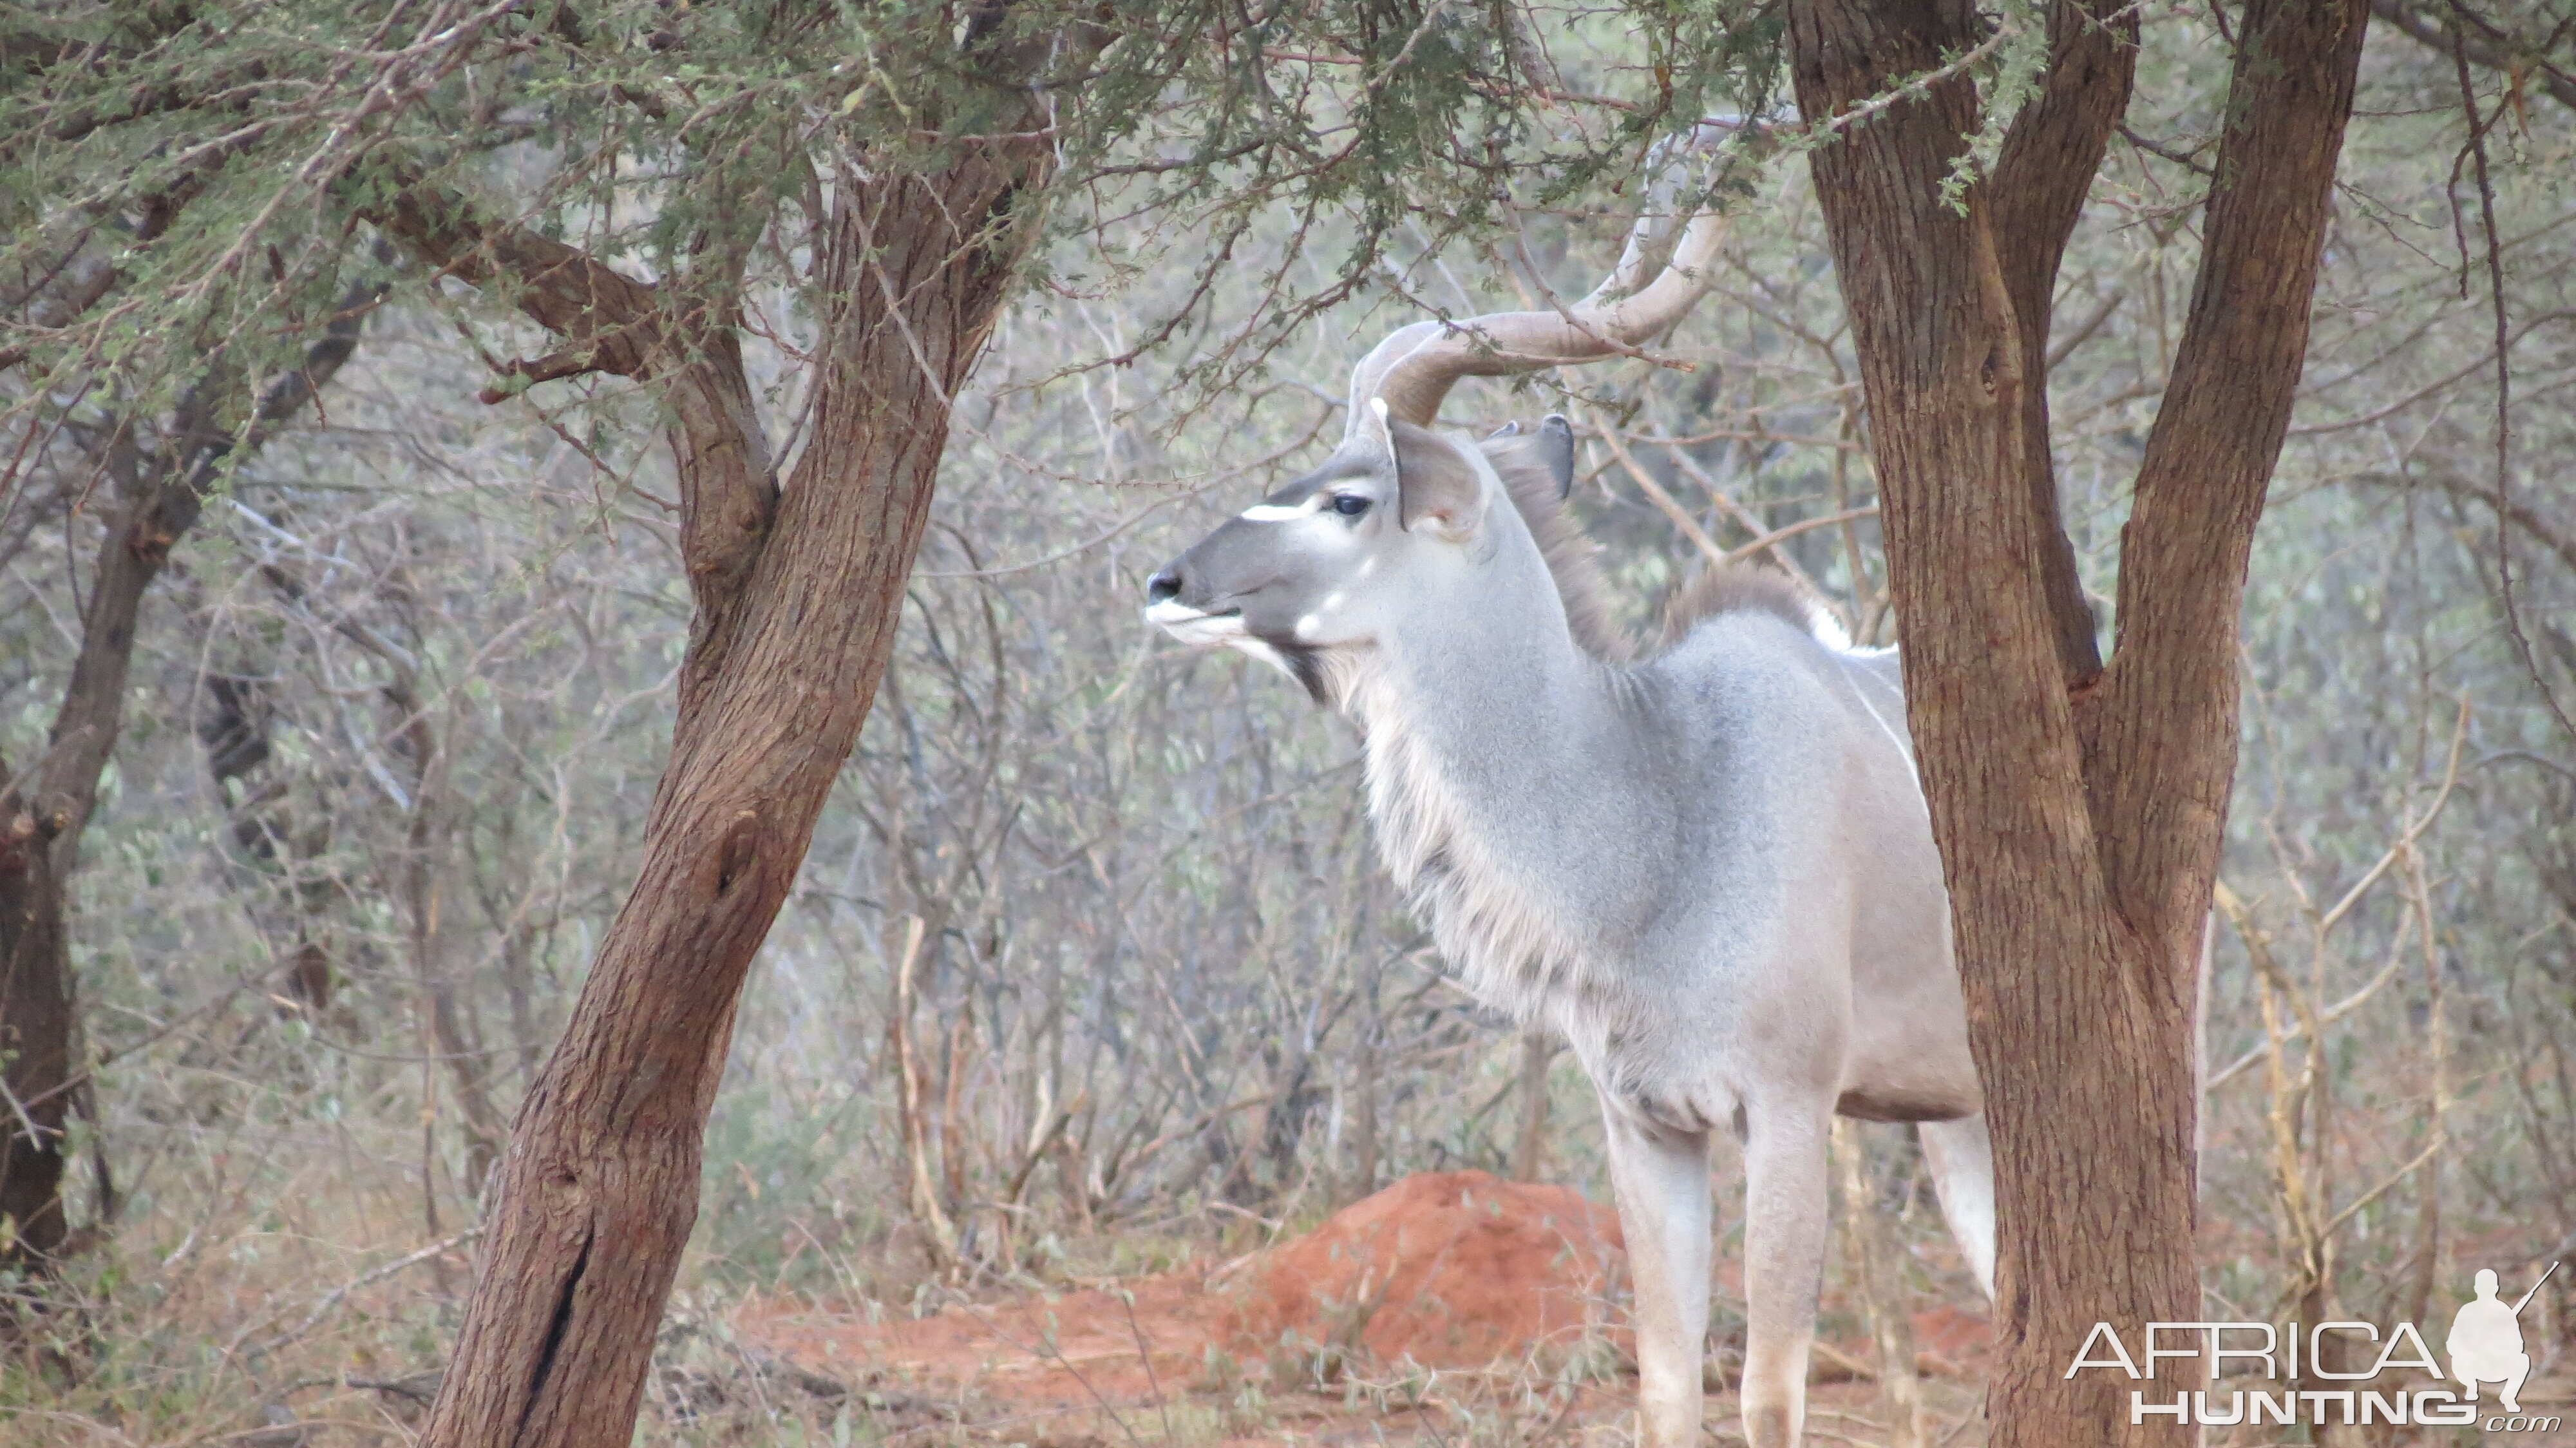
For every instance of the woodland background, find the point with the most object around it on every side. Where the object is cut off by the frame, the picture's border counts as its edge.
(399, 703)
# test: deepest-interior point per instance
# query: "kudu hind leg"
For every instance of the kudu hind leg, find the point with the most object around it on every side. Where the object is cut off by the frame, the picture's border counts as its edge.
(1784, 1260)
(1962, 1160)
(1660, 1178)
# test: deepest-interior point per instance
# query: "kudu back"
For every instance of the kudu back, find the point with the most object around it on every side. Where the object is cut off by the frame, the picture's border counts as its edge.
(1710, 868)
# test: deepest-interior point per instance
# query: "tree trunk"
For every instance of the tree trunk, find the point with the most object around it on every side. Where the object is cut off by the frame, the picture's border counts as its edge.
(234, 728)
(1364, 1125)
(420, 885)
(1872, 1258)
(2079, 813)
(1529, 1155)
(798, 594)
(37, 1028)
(43, 811)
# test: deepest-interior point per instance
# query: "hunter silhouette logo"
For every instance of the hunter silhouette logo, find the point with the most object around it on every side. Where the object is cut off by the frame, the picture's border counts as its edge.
(2486, 1339)
(2485, 1346)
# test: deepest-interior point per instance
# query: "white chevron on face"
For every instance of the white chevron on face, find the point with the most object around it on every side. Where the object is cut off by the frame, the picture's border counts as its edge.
(1711, 869)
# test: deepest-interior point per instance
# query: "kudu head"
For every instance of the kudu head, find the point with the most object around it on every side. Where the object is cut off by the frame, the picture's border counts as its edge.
(1335, 560)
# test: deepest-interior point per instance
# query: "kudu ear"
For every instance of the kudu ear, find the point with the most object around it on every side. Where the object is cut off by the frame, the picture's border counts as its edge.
(1435, 483)
(1556, 449)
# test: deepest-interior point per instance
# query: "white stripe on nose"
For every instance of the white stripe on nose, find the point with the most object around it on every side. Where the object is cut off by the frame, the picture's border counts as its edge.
(1274, 513)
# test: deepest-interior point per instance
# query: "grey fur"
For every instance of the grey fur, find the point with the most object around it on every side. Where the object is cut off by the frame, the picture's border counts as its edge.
(1529, 466)
(1711, 870)
(1725, 587)
(1537, 469)
(1710, 866)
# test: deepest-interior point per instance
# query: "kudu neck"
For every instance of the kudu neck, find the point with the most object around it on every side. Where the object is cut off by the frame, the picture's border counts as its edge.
(1483, 680)
(1504, 774)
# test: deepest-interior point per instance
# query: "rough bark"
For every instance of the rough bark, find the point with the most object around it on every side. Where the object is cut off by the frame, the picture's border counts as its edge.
(2078, 814)
(43, 811)
(798, 591)
(37, 1028)
(2040, 181)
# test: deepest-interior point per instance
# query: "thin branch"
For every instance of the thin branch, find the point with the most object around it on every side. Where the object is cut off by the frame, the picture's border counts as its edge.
(2495, 51)
(332, 1299)
(1654, 491)
(2504, 375)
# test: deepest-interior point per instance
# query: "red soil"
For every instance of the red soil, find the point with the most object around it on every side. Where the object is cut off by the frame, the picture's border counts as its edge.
(1083, 1350)
(1454, 1270)
(1949, 1343)
(1448, 1269)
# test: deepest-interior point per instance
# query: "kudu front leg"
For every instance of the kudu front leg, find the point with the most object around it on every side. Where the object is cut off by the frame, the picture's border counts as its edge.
(1784, 1259)
(1660, 1178)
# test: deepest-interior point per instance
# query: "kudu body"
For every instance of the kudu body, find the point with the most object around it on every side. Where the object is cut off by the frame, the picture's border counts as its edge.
(1712, 870)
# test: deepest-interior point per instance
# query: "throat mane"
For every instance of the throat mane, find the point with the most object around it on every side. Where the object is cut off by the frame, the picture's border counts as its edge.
(1485, 910)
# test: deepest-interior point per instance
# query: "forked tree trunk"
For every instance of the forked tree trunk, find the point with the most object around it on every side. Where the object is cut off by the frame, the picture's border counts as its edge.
(2079, 810)
(798, 593)
(43, 811)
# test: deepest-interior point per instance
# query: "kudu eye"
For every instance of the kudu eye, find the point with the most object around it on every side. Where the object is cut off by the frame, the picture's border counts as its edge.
(1350, 505)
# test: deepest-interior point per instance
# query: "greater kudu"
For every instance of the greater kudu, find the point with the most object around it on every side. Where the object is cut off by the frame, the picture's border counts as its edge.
(1712, 870)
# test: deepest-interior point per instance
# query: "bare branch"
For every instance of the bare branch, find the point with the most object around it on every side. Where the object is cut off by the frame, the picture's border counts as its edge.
(2489, 48)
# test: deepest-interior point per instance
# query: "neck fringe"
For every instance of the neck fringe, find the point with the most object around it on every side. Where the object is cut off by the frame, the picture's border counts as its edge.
(1574, 563)
(1496, 924)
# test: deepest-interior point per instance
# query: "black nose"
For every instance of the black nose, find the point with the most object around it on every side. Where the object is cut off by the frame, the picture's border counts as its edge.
(1163, 587)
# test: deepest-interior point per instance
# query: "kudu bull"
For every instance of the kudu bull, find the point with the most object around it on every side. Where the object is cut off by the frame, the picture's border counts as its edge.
(1711, 869)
